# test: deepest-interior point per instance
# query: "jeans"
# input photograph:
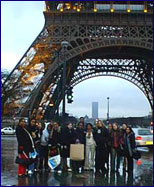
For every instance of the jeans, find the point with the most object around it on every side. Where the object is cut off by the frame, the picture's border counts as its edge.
(115, 156)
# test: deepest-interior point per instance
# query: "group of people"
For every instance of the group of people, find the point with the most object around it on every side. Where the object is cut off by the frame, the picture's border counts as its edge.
(104, 147)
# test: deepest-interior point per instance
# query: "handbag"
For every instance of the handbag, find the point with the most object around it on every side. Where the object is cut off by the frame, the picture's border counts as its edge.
(136, 155)
(77, 152)
(53, 151)
(24, 162)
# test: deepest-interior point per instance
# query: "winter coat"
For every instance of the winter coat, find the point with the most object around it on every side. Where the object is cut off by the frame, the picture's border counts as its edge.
(31, 128)
(109, 141)
(80, 135)
(101, 136)
(33, 132)
(66, 138)
(45, 136)
(24, 141)
(123, 131)
(54, 138)
(119, 138)
(129, 143)
(38, 133)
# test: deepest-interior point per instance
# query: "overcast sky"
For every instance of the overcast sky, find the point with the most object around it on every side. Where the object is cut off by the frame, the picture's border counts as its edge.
(22, 21)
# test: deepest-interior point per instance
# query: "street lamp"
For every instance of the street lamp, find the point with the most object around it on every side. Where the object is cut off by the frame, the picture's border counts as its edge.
(64, 45)
(108, 110)
(58, 86)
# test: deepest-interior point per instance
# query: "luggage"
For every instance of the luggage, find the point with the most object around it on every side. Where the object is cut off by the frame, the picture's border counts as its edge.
(24, 162)
(77, 152)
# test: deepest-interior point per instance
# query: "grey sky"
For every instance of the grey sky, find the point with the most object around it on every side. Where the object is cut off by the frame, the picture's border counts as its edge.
(21, 23)
(125, 98)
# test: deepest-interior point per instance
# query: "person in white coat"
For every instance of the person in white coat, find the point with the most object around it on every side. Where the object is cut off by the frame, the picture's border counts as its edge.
(90, 148)
(44, 147)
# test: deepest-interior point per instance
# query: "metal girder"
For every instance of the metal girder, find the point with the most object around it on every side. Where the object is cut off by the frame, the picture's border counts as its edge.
(135, 71)
(86, 33)
(103, 36)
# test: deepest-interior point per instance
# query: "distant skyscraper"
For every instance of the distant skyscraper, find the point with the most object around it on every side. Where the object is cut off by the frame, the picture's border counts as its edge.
(95, 110)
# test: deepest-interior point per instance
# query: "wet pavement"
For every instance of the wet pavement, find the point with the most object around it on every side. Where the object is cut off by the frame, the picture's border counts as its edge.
(141, 176)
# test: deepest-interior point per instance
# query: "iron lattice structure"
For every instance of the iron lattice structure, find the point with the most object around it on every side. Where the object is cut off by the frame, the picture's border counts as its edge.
(100, 44)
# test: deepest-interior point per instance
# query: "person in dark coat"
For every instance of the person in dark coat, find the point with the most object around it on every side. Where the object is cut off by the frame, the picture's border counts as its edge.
(54, 138)
(123, 131)
(37, 141)
(100, 137)
(32, 129)
(25, 144)
(130, 145)
(66, 139)
(116, 142)
(109, 142)
(79, 133)
(79, 138)
(54, 143)
(38, 132)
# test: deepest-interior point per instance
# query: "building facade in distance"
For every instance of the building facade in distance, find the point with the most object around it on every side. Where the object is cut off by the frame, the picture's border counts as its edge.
(95, 110)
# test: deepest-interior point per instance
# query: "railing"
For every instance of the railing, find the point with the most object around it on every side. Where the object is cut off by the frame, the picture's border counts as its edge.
(99, 6)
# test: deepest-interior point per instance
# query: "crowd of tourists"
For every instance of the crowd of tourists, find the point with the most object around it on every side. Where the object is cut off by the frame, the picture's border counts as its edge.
(106, 148)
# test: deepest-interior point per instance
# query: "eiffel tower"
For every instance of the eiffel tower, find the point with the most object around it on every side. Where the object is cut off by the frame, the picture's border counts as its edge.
(79, 41)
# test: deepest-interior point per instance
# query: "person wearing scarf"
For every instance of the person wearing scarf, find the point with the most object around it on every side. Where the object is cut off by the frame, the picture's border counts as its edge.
(130, 145)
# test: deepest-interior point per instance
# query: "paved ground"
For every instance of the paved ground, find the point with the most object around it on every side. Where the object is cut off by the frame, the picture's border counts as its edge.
(142, 174)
